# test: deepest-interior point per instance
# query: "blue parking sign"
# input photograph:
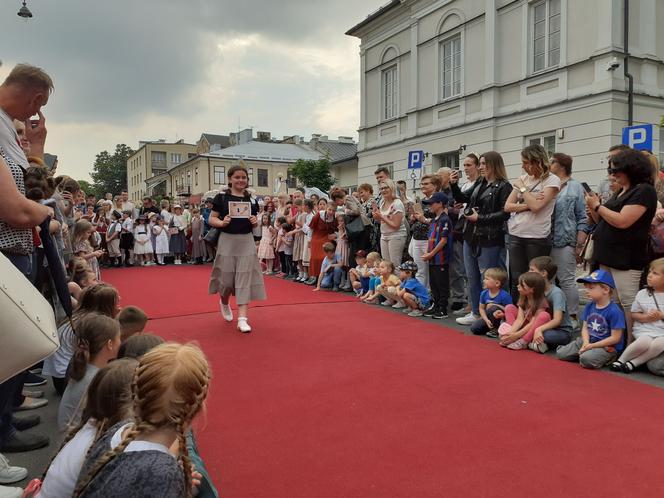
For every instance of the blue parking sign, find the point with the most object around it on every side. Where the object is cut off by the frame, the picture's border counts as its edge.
(415, 159)
(638, 137)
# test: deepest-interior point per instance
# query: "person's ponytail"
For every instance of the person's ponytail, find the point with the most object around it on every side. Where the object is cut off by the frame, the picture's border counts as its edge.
(79, 361)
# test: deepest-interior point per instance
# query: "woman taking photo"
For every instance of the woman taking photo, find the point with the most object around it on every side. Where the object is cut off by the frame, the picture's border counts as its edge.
(483, 232)
(367, 202)
(623, 224)
(532, 202)
(569, 229)
(236, 270)
(390, 213)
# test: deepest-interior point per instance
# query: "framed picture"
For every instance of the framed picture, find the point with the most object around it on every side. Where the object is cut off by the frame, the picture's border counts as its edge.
(238, 209)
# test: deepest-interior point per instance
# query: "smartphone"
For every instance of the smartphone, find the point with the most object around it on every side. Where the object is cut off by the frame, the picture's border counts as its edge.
(586, 187)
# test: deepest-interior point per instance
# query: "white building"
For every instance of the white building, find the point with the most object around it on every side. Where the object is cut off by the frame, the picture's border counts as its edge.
(500, 74)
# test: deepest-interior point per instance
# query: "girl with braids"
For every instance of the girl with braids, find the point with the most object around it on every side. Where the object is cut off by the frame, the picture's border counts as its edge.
(169, 389)
(108, 402)
(100, 298)
(236, 270)
(98, 341)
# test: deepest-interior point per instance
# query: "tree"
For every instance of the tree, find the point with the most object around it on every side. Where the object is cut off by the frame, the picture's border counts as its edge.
(109, 172)
(88, 188)
(311, 173)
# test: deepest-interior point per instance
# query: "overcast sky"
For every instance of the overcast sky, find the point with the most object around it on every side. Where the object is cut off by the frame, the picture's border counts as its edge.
(126, 70)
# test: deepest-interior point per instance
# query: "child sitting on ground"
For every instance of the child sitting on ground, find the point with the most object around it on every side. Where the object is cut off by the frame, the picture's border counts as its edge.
(389, 283)
(330, 270)
(558, 331)
(373, 269)
(359, 276)
(132, 321)
(648, 328)
(412, 296)
(602, 333)
(493, 301)
(521, 321)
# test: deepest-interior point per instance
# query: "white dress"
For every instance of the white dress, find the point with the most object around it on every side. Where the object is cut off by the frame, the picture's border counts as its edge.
(161, 239)
(141, 234)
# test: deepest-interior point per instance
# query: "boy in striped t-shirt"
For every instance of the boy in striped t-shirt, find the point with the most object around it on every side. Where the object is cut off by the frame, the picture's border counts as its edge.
(438, 255)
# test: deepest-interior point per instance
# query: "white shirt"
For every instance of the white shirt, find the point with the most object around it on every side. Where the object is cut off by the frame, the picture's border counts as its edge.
(531, 225)
(136, 445)
(643, 303)
(63, 473)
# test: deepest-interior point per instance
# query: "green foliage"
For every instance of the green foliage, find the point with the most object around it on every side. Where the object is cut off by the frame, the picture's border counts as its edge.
(312, 173)
(88, 188)
(110, 170)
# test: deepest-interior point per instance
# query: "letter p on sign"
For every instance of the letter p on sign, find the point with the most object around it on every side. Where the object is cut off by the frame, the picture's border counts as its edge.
(638, 137)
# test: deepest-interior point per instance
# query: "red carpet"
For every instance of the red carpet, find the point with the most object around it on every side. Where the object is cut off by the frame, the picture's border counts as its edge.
(340, 399)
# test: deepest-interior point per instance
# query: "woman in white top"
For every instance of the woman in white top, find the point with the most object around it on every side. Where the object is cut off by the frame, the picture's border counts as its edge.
(390, 213)
(532, 202)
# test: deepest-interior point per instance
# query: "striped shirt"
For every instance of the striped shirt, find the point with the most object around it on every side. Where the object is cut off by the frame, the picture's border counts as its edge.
(439, 229)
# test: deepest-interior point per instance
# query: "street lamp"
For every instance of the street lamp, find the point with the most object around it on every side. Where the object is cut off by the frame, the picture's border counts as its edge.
(24, 12)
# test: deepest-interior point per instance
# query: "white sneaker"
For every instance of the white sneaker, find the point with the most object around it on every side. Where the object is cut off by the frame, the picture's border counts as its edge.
(469, 319)
(178, 262)
(538, 348)
(415, 313)
(387, 302)
(226, 311)
(10, 474)
(399, 305)
(243, 326)
(6, 492)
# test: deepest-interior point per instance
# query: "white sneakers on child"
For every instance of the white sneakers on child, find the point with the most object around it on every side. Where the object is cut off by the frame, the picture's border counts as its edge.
(226, 311)
(10, 474)
(243, 325)
(469, 319)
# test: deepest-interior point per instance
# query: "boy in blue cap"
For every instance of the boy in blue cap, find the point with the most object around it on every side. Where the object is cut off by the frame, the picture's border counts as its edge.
(439, 254)
(411, 292)
(602, 333)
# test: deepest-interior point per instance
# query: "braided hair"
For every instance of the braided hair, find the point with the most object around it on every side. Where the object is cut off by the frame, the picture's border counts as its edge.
(169, 389)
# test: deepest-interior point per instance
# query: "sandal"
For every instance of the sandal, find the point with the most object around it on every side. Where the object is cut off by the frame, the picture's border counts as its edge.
(616, 366)
(628, 367)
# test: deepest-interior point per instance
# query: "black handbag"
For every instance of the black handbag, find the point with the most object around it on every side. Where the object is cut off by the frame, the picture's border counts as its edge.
(212, 236)
(354, 227)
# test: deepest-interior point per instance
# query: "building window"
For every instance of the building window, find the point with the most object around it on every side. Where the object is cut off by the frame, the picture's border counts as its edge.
(196, 176)
(251, 177)
(176, 158)
(450, 66)
(546, 20)
(291, 181)
(390, 92)
(219, 174)
(262, 177)
(158, 160)
(548, 141)
(446, 160)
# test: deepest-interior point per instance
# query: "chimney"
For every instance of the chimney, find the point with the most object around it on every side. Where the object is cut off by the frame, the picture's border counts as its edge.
(346, 140)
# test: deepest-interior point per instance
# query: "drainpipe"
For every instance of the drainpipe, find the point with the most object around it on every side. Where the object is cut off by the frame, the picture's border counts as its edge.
(630, 78)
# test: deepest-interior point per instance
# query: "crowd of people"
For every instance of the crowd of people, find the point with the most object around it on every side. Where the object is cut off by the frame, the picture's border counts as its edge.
(127, 399)
(502, 257)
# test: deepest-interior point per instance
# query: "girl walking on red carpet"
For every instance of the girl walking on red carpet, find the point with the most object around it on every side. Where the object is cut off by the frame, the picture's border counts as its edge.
(236, 268)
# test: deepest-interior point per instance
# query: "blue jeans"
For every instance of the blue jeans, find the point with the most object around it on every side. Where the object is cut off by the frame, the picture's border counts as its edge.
(488, 257)
(332, 278)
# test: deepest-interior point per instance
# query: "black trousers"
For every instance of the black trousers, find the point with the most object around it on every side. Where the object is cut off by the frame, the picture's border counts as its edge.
(439, 282)
(521, 251)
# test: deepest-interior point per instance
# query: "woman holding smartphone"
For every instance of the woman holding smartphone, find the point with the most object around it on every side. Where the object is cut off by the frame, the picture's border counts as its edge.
(569, 224)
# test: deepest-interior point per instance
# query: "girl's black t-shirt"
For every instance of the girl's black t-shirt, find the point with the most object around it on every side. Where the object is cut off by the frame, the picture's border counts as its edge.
(237, 225)
(626, 248)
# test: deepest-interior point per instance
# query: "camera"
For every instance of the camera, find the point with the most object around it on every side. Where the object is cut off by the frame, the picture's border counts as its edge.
(468, 211)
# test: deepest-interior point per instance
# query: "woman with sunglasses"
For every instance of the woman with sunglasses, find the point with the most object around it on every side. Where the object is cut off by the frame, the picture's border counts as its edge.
(623, 224)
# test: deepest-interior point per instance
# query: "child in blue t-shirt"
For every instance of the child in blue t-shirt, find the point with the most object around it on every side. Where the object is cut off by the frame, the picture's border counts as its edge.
(412, 295)
(330, 269)
(602, 334)
(493, 300)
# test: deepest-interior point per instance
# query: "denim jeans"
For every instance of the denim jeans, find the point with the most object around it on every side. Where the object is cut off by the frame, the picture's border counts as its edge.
(332, 278)
(565, 259)
(487, 257)
(458, 279)
(521, 251)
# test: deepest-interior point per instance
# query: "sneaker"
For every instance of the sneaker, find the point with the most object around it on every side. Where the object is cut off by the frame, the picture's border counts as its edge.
(439, 315)
(7, 492)
(430, 311)
(469, 319)
(25, 423)
(22, 441)
(33, 380)
(493, 334)
(31, 404)
(415, 313)
(461, 312)
(10, 474)
(518, 344)
(243, 325)
(538, 348)
(405, 310)
(387, 302)
(457, 307)
(178, 262)
(616, 366)
(226, 311)
(399, 305)
(33, 394)
(311, 281)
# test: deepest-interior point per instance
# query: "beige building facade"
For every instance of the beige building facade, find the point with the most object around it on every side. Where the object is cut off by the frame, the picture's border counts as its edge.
(442, 76)
(154, 158)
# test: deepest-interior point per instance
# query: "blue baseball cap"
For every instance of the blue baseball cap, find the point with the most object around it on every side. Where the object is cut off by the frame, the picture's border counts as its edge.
(598, 277)
(437, 197)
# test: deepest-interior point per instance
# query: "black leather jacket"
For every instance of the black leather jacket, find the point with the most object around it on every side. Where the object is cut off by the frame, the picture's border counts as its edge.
(489, 200)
